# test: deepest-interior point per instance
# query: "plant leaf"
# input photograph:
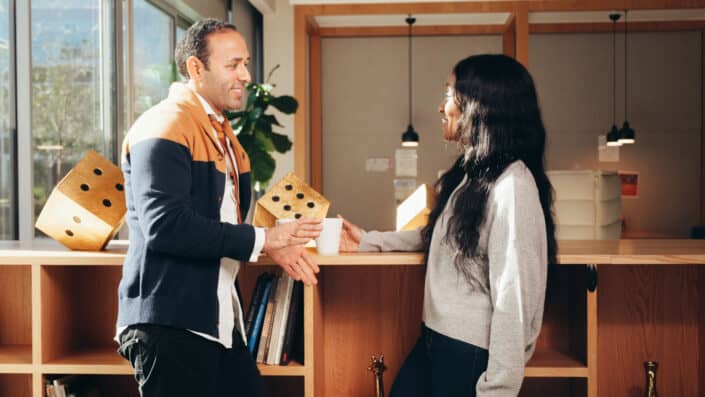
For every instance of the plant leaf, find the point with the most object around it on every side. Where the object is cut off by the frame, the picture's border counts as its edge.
(264, 126)
(262, 166)
(281, 143)
(263, 142)
(286, 104)
(270, 119)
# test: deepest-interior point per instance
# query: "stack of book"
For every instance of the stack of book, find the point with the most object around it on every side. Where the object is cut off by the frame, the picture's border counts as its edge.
(274, 320)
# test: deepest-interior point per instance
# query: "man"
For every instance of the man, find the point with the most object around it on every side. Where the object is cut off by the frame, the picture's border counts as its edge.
(187, 185)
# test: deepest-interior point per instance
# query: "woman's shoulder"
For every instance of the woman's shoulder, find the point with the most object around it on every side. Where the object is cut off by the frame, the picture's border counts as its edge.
(516, 176)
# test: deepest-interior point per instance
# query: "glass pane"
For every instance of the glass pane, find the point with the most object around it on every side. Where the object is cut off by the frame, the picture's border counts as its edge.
(8, 200)
(66, 89)
(180, 31)
(153, 66)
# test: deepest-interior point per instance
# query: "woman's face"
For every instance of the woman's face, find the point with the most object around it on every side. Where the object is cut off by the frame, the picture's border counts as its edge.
(449, 111)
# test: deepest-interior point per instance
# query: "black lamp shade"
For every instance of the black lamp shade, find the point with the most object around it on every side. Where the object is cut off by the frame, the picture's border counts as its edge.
(410, 138)
(613, 137)
(627, 134)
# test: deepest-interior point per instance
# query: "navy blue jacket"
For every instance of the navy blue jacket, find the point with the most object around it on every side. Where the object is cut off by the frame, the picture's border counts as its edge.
(174, 184)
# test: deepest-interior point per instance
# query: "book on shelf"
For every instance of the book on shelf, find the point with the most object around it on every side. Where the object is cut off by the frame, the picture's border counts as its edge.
(254, 304)
(268, 321)
(294, 327)
(70, 386)
(274, 319)
(274, 351)
(254, 337)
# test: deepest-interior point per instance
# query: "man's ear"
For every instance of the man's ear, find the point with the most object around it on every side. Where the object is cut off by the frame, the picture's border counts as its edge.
(195, 67)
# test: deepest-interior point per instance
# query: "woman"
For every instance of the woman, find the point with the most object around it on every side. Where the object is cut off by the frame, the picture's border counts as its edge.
(488, 242)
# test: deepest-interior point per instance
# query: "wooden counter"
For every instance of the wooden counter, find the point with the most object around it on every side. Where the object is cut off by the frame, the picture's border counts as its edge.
(58, 310)
(571, 252)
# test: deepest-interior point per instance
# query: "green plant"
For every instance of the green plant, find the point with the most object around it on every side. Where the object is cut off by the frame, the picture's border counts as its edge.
(254, 128)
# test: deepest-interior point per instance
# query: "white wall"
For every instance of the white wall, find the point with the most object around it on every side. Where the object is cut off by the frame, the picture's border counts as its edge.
(365, 105)
(573, 74)
(279, 49)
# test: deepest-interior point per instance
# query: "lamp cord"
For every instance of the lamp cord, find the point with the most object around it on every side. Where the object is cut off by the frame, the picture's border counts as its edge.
(625, 64)
(410, 21)
(614, 71)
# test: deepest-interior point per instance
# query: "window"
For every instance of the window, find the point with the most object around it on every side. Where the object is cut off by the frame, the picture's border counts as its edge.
(154, 69)
(67, 86)
(8, 196)
(84, 79)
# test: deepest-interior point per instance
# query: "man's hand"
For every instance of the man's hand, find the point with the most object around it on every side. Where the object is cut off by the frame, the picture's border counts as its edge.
(350, 236)
(297, 262)
(298, 232)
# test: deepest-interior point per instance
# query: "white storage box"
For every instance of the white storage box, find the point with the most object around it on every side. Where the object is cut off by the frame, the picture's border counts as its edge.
(588, 204)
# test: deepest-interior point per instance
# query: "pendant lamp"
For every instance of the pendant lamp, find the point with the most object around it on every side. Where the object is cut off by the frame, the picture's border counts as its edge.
(626, 134)
(613, 133)
(410, 138)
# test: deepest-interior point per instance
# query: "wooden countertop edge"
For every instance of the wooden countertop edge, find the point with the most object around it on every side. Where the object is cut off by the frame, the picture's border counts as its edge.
(621, 252)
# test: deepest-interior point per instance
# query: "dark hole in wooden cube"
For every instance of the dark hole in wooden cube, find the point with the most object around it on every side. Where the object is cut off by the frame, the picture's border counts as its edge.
(299, 196)
(288, 187)
(85, 187)
(297, 216)
(310, 204)
(69, 233)
(77, 219)
(98, 171)
(287, 207)
(107, 203)
(119, 187)
(275, 198)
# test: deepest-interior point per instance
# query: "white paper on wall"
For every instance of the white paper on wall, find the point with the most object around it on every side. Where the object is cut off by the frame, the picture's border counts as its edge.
(606, 153)
(405, 160)
(403, 187)
(378, 164)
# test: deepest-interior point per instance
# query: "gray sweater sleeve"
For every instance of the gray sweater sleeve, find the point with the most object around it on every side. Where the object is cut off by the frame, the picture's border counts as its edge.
(517, 277)
(375, 241)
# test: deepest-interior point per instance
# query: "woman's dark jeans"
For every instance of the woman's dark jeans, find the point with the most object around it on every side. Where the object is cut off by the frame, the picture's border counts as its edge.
(439, 366)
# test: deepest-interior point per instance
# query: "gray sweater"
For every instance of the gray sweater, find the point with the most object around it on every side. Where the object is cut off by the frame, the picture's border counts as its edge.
(503, 314)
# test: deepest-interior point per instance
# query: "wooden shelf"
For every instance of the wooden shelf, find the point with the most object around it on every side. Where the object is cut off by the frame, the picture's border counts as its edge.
(293, 369)
(555, 365)
(98, 361)
(16, 359)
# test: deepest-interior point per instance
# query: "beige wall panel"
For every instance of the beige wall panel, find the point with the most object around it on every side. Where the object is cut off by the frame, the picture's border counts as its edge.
(573, 73)
(365, 111)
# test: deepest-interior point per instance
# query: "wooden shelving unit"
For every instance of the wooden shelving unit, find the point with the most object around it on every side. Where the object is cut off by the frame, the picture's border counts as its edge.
(58, 310)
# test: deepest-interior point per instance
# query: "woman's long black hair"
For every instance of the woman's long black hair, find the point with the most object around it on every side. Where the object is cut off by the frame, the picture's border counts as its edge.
(500, 123)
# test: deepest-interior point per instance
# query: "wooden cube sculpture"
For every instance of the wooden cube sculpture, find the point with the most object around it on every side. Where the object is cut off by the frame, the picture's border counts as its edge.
(290, 198)
(413, 212)
(87, 207)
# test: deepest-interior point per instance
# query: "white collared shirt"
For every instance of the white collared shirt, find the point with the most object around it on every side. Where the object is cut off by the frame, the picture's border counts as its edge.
(230, 312)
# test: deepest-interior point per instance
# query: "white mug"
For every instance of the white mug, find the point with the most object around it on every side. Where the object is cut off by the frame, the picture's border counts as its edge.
(328, 242)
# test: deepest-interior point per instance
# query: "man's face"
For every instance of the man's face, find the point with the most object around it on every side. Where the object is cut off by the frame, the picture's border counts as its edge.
(224, 82)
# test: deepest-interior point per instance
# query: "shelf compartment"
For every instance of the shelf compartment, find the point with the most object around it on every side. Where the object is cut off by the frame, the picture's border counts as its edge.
(15, 317)
(16, 385)
(104, 385)
(78, 313)
(293, 369)
(104, 361)
(547, 364)
(16, 359)
(561, 387)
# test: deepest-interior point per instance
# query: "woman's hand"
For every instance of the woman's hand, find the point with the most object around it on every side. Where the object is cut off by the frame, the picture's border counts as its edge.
(350, 236)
